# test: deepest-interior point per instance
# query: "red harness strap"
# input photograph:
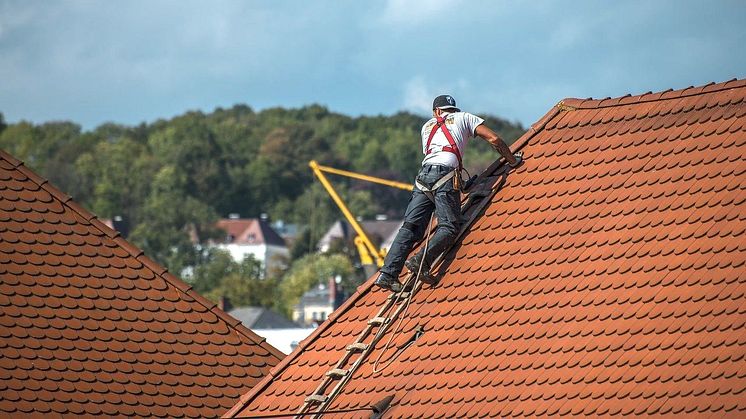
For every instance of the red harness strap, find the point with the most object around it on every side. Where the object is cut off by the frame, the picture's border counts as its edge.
(453, 148)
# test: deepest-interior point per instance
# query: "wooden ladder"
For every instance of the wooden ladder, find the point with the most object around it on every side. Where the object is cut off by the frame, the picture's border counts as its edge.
(319, 400)
(356, 352)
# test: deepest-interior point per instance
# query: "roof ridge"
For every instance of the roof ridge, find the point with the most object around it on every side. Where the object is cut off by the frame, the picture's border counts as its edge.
(269, 235)
(245, 399)
(137, 253)
(590, 103)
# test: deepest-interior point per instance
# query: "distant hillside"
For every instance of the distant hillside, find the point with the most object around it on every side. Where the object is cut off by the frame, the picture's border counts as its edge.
(176, 176)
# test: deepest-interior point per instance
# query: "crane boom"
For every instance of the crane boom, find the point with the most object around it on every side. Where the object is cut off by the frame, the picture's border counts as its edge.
(367, 178)
(364, 241)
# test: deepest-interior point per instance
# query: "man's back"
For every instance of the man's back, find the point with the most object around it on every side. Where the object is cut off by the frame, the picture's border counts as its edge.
(461, 126)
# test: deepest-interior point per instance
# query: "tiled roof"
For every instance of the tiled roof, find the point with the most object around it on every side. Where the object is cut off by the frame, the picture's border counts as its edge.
(605, 276)
(380, 232)
(251, 231)
(89, 325)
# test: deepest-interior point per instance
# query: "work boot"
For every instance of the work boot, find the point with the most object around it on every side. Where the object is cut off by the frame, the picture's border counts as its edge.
(413, 264)
(388, 282)
(428, 278)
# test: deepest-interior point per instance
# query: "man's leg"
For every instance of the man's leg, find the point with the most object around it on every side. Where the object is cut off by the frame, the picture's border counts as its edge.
(415, 221)
(448, 211)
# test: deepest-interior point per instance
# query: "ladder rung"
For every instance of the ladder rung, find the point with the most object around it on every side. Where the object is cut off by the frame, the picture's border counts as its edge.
(401, 296)
(316, 398)
(336, 373)
(378, 320)
(357, 347)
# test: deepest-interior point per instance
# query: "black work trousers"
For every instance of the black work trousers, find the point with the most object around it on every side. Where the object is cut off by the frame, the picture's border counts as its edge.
(447, 208)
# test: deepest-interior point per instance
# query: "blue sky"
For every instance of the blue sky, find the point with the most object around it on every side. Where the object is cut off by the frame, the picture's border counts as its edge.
(133, 61)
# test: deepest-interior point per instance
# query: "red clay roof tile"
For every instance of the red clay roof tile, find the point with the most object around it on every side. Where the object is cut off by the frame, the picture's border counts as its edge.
(89, 325)
(605, 277)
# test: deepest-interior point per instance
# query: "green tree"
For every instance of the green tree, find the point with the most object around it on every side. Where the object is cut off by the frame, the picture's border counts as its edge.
(171, 220)
(189, 146)
(243, 286)
(50, 148)
(302, 245)
(315, 210)
(213, 265)
(310, 271)
(281, 166)
(20, 141)
(123, 171)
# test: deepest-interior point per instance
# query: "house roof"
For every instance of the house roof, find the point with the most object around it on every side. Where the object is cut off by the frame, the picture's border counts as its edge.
(250, 231)
(605, 276)
(377, 230)
(320, 295)
(89, 325)
(261, 318)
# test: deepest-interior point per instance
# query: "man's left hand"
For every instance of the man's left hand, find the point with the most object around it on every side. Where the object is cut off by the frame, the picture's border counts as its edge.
(518, 159)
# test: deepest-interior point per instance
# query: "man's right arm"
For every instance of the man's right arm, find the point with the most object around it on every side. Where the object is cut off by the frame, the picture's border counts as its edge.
(497, 143)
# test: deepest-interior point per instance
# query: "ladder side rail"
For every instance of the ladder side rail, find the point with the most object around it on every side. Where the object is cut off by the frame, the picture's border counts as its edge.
(337, 389)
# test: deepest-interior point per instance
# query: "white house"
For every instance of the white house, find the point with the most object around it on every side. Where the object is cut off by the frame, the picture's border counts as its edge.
(319, 302)
(253, 236)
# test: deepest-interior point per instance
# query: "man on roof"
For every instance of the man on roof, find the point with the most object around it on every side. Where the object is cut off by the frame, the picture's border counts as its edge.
(437, 187)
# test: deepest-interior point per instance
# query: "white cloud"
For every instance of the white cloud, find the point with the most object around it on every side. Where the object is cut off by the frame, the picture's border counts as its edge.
(418, 93)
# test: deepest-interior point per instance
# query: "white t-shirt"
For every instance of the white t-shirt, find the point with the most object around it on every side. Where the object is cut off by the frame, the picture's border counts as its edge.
(461, 126)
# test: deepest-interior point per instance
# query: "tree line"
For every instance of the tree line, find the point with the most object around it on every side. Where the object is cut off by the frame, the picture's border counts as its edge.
(171, 180)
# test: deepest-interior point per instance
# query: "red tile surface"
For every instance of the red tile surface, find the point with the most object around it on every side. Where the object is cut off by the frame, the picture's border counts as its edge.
(91, 326)
(606, 277)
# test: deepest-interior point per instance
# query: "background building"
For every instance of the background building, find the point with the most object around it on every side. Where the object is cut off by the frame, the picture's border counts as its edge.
(255, 237)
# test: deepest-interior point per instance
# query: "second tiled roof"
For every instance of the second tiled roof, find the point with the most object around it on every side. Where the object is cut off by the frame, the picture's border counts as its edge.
(91, 326)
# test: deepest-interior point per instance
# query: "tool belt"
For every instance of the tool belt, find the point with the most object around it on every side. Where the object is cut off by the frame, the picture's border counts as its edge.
(429, 191)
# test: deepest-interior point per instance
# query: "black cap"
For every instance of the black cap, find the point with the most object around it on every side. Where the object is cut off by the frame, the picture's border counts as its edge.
(445, 102)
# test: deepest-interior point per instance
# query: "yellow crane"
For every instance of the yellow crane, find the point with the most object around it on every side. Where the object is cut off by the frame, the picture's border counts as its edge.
(368, 251)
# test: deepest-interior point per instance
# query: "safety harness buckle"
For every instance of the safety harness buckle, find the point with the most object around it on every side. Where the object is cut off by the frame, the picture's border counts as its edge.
(430, 191)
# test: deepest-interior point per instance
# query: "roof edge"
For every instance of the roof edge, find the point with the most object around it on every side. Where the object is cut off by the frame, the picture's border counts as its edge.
(521, 142)
(590, 103)
(363, 289)
(134, 251)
